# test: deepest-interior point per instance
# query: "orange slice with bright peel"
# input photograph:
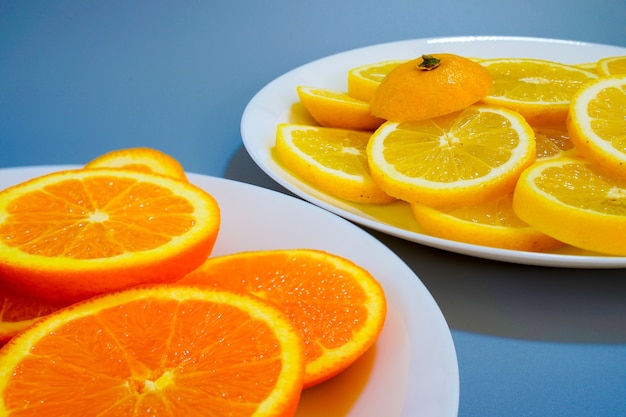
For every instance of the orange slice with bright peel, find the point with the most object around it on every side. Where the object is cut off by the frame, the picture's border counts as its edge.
(493, 224)
(73, 234)
(464, 158)
(365, 79)
(569, 200)
(140, 159)
(337, 109)
(161, 350)
(538, 89)
(338, 307)
(597, 123)
(612, 65)
(416, 90)
(332, 160)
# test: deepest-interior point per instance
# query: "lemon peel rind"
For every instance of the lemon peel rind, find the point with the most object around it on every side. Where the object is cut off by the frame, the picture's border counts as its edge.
(579, 227)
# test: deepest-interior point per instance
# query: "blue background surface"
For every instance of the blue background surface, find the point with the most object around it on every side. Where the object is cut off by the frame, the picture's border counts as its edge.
(80, 78)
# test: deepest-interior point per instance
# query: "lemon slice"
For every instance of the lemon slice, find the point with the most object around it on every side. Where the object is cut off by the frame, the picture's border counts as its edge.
(540, 90)
(332, 108)
(597, 123)
(464, 158)
(492, 224)
(365, 79)
(333, 160)
(569, 200)
(612, 65)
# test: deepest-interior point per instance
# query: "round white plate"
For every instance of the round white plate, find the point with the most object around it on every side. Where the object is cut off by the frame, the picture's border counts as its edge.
(273, 105)
(411, 370)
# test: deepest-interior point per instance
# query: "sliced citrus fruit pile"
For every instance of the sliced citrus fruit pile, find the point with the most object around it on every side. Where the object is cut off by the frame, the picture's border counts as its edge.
(337, 109)
(540, 90)
(76, 233)
(331, 159)
(338, 307)
(147, 160)
(159, 351)
(99, 235)
(459, 159)
(448, 165)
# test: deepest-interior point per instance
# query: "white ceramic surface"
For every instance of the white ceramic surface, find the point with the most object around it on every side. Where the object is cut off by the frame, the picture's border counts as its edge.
(411, 370)
(272, 105)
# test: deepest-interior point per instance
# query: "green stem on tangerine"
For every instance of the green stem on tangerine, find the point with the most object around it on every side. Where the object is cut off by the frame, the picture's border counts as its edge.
(428, 63)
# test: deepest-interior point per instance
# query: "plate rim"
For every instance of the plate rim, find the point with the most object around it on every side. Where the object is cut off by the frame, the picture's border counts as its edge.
(259, 153)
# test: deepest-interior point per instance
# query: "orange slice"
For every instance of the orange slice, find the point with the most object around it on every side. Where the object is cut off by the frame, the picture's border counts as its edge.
(159, 351)
(569, 200)
(338, 306)
(77, 233)
(492, 224)
(146, 160)
(540, 90)
(411, 92)
(597, 125)
(337, 109)
(333, 160)
(464, 158)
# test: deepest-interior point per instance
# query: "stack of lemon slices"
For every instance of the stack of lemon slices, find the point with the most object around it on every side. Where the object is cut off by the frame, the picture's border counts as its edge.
(522, 154)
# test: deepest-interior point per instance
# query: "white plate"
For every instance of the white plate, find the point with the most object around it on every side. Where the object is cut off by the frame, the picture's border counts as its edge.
(272, 105)
(411, 370)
